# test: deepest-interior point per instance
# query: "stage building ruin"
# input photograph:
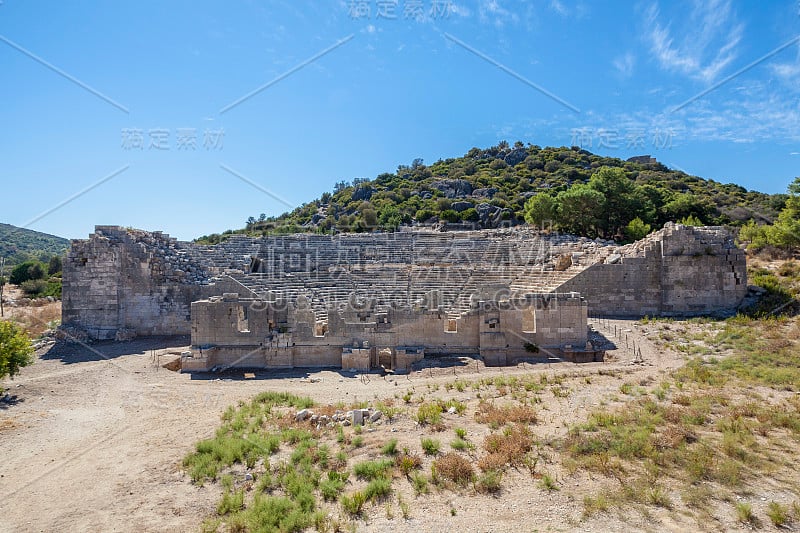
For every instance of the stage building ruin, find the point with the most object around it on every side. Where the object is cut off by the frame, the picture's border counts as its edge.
(389, 299)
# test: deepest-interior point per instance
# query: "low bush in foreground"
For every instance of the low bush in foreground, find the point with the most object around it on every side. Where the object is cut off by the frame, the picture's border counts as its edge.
(453, 467)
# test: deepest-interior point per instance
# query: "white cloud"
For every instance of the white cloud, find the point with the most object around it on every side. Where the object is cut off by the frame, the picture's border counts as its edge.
(559, 7)
(491, 11)
(706, 43)
(459, 10)
(625, 63)
(789, 72)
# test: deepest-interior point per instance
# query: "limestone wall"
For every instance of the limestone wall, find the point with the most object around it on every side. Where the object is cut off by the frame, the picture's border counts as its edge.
(677, 271)
(120, 283)
(229, 331)
(124, 282)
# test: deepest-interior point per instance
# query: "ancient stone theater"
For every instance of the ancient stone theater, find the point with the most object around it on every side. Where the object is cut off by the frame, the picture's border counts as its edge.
(366, 301)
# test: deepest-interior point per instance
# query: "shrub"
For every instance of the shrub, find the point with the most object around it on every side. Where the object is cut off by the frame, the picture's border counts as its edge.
(744, 512)
(531, 347)
(489, 481)
(283, 398)
(354, 503)
(404, 507)
(636, 229)
(429, 413)
(470, 215)
(453, 467)
(15, 349)
(510, 446)
(54, 265)
(449, 215)
(275, 513)
(660, 497)
(420, 483)
(29, 270)
(331, 488)
(548, 482)
(39, 288)
(373, 469)
(778, 514)
(408, 462)
(459, 444)
(378, 488)
(231, 502)
(390, 448)
(488, 413)
(595, 504)
(430, 446)
(492, 461)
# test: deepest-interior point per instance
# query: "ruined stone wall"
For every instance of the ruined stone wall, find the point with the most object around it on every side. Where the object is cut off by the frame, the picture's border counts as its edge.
(125, 282)
(229, 331)
(121, 283)
(677, 271)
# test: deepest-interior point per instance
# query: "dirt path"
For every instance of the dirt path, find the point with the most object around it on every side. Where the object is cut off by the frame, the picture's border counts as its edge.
(95, 444)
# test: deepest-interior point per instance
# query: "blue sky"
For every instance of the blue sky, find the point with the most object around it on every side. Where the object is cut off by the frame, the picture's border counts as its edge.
(137, 113)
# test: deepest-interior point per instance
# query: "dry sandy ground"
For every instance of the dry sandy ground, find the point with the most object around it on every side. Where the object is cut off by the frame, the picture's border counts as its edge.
(36, 316)
(94, 439)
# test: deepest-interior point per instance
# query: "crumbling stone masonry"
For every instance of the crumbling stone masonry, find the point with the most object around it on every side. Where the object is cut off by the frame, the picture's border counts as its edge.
(677, 271)
(123, 282)
(367, 300)
(229, 331)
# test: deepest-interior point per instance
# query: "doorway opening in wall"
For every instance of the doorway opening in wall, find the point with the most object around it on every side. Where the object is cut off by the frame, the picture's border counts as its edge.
(242, 324)
(385, 358)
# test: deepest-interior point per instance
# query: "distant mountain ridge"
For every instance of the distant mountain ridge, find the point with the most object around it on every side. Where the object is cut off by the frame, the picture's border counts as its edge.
(20, 244)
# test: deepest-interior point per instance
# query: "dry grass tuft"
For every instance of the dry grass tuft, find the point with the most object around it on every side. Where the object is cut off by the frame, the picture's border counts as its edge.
(507, 448)
(36, 318)
(488, 413)
(453, 467)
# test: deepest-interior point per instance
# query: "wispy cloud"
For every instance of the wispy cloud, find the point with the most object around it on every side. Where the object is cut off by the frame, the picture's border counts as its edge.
(574, 10)
(559, 7)
(624, 64)
(706, 44)
(493, 12)
(459, 9)
(753, 113)
(790, 71)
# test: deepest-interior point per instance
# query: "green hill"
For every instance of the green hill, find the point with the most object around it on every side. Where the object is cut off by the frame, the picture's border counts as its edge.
(19, 244)
(488, 188)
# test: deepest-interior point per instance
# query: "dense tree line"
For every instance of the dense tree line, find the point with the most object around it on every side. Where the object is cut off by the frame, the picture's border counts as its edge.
(612, 206)
(38, 278)
(784, 233)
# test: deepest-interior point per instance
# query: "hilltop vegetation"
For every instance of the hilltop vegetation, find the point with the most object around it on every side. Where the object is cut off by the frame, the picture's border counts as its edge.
(18, 245)
(784, 233)
(490, 187)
